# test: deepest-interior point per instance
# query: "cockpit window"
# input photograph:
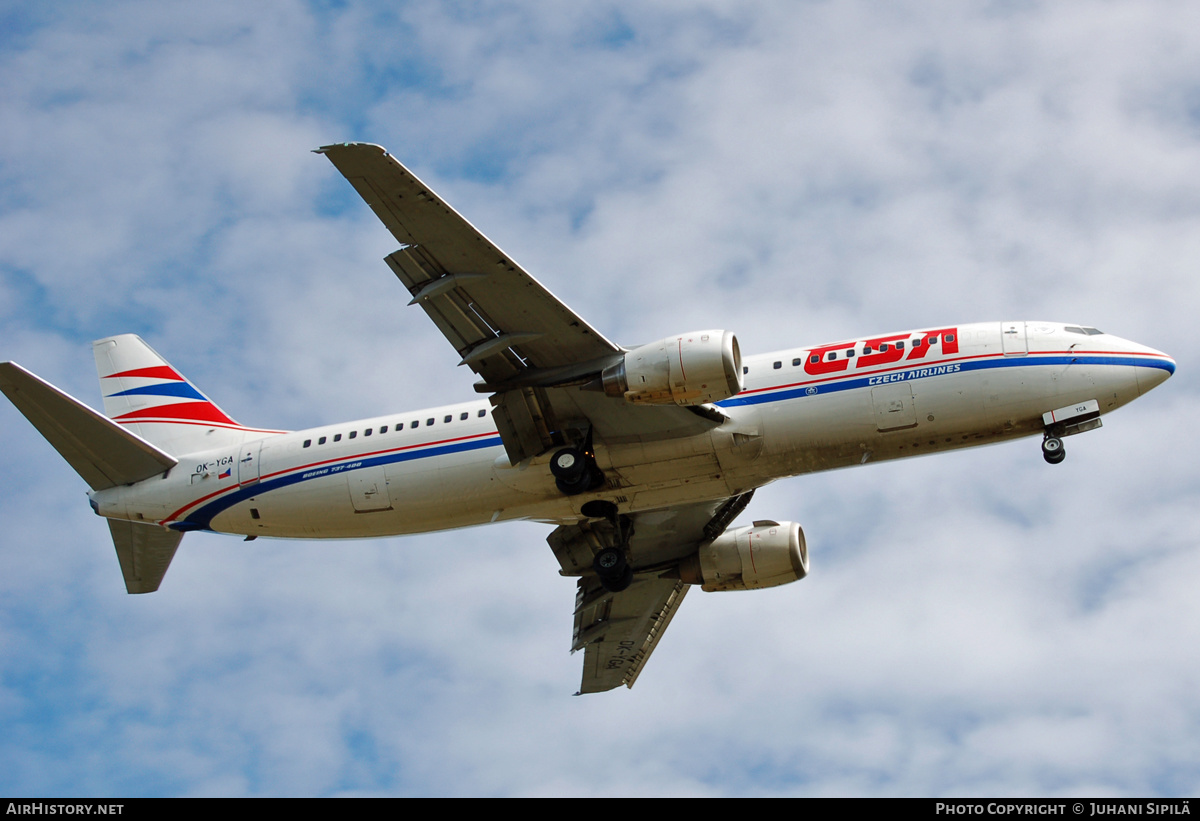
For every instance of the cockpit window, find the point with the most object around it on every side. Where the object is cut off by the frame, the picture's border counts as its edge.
(1073, 329)
(1092, 331)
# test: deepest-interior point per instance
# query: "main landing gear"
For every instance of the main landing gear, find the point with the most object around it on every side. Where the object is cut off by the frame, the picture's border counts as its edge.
(613, 569)
(575, 471)
(611, 564)
(1052, 450)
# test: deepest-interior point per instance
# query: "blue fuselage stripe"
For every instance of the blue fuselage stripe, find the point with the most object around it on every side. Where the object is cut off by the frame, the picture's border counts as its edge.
(201, 518)
(905, 373)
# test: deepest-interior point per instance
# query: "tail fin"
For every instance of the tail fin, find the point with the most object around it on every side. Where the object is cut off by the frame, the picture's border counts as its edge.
(101, 451)
(145, 394)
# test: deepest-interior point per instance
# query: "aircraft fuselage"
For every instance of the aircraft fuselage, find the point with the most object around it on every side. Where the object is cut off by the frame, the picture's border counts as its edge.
(802, 410)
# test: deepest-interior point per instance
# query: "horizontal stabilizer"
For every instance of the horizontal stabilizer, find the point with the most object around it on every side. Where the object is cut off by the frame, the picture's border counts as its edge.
(145, 552)
(100, 450)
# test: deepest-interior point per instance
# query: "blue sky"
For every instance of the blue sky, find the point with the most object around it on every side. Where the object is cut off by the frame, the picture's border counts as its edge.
(975, 623)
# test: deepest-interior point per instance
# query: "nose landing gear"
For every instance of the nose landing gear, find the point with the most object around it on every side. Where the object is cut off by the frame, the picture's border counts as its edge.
(1053, 450)
(1067, 421)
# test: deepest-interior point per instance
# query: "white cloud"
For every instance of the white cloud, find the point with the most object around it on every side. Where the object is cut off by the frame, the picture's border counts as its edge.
(975, 623)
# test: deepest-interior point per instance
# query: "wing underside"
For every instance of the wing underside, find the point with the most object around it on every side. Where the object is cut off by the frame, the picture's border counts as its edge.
(499, 318)
(619, 630)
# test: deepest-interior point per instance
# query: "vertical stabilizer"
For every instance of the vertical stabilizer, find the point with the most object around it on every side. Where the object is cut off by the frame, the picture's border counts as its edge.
(149, 397)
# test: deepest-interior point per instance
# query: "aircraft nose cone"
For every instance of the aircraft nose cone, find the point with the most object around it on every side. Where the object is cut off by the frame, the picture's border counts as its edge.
(1158, 370)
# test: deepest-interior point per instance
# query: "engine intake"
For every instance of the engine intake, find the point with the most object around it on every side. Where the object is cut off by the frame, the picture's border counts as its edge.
(689, 369)
(765, 554)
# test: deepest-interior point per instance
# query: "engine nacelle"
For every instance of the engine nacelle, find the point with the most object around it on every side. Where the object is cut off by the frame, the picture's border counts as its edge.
(689, 369)
(764, 554)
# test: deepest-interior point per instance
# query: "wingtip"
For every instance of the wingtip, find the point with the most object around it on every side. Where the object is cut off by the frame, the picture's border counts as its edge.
(325, 149)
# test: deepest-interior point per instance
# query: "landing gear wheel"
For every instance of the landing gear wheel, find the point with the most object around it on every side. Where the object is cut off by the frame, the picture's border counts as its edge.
(609, 562)
(617, 585)
(568, 464)
(612, 569)
(1052, 450)
(574, 471)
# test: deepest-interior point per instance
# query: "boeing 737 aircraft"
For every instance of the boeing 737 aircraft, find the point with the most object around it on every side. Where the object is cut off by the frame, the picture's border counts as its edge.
(641, 457)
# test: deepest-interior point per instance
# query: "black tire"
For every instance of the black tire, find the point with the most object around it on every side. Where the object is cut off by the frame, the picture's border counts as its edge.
(617, 585)
(1053, 450)
(610, 563)
(588, 481)
(569, 465)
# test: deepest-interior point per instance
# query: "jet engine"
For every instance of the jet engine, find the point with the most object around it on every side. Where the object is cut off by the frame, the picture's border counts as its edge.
(764, 554)
(689, 369)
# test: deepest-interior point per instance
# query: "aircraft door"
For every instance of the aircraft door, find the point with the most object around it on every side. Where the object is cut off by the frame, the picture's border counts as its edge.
(248, 463)
(894, 406)
(1013, 338)
(368, 489)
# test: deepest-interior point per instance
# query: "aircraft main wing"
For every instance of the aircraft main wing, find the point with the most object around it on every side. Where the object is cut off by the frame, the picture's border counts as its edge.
(619, 630)
(507, 327)
(499, 318)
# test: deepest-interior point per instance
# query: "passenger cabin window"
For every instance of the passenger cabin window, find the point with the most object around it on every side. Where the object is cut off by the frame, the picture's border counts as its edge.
(368, 432)
(884, 347)
(867, 349)
(483, 411)
(307, 442)
(796, 362)
(447, 418)
(399, 426)
(428, 422)
(745, 369)
(849, 353)
(900, 345)
(416, 423)
(353, 433)
(778, 365)
(321, 441)
(832, 355)
(462, 417)
(949, 337)
(814, 359)
(383, 429)
(337, 437)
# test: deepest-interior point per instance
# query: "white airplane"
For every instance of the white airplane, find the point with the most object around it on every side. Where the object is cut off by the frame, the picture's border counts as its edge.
(641, 457)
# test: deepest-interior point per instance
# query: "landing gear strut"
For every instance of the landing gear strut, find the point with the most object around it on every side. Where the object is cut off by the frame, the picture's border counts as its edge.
(1052, 450)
